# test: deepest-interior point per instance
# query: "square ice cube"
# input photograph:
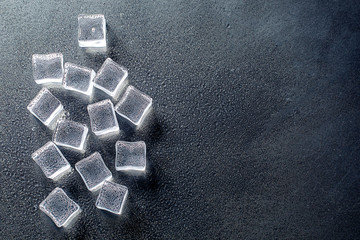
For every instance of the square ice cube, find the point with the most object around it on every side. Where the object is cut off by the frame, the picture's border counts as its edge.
(112, 197)
(78, 78)
(60, 208)
(92, 30)
(70, 134)
(110, 78)
(45, 106)
(93, 171)
(130, 156)
(48, 68)
(51, 161)
(133, 105)
(102, 118)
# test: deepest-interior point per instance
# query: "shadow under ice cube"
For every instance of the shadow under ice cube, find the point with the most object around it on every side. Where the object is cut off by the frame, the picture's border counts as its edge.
(60, 208)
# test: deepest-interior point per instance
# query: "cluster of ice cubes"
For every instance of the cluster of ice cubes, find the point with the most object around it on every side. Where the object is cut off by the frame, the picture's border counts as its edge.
(50, 70)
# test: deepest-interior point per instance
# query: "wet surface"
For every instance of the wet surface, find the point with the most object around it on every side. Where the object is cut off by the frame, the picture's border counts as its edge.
(254, 131)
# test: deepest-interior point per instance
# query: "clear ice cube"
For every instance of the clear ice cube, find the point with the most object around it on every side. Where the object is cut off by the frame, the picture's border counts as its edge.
(112, 197)
(45, 107)
(70, 134)
(130, 156)
(102, 118)
(78, 78)
(51, 161)
(92, 30)
(60, 208)
(110, 78)
(133, 105)
(93, 171)
(48, 68)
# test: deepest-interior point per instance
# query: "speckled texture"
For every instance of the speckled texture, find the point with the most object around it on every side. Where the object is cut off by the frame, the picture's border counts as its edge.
(255, 130)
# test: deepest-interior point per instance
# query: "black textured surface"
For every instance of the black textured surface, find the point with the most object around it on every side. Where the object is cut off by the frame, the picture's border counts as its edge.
(255, 131)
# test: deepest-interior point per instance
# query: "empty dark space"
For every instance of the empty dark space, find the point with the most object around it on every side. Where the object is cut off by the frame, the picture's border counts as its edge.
(254, 132)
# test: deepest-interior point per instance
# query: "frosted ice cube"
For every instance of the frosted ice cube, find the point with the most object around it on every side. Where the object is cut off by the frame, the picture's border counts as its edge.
(133, 105)
(130, 156)
(102, 118)
(93, 171)
(92, 30)
(71, 135)
(78, 78)
(48, 68)
(60, 208)
(51, 161)
(110, 78)
(45, 106)
(112, 197)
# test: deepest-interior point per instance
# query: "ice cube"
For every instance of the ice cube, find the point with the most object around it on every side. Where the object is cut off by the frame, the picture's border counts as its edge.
(60, 208)
(130, 156)
(45, 107)
(112, 197)
(70, 134)
(48, 68)
(102, 118)
(92, 30)
(93, 171)
(110, 78)
(51, 161)
(78, 78)
(133, 105)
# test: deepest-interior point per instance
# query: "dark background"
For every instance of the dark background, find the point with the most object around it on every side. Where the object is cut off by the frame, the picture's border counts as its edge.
(254, 133)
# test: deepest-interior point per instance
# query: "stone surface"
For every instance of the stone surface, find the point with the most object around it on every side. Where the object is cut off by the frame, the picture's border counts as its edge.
(256, 108)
